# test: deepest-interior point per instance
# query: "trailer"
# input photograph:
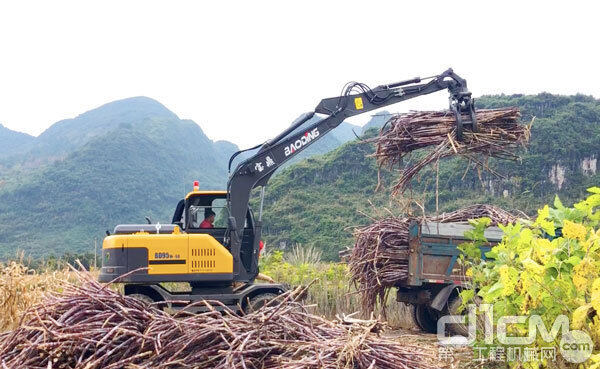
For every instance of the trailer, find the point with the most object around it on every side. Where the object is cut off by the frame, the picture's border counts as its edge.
(435, 278)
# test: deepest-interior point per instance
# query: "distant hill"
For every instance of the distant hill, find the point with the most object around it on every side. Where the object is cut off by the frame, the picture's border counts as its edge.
(12, 142)
(114, 164)
(377, 121)
(318, 201)
(67, 135)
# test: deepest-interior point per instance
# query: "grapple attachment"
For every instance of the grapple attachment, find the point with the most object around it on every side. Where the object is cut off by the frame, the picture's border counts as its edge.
(463, 107)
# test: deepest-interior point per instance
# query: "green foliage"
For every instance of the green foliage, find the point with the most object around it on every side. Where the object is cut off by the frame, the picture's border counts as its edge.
(329, 282)
(472, 249)
(53, 263)
(304, 255)
(532, 273)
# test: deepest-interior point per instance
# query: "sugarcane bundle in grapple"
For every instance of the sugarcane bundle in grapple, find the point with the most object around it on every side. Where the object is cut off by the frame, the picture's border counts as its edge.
(498, 134)
(381, 255)
(90, 326)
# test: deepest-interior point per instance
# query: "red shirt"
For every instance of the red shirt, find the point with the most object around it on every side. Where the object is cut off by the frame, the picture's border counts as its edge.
(206, 224)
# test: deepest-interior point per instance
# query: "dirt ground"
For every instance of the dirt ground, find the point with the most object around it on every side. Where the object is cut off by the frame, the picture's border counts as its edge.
(404, 329)
(455, 358)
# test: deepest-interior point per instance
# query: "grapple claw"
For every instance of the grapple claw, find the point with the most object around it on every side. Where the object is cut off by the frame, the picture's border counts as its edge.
(463, 104)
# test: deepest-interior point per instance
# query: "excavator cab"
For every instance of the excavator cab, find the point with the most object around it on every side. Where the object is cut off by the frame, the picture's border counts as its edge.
(190, 216)
(198, 204)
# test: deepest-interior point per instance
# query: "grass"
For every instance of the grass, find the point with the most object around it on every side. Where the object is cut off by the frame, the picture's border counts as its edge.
(330, 293)
(22, 287)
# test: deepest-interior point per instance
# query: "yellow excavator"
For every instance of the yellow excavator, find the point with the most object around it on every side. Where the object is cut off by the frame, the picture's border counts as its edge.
(221, 263)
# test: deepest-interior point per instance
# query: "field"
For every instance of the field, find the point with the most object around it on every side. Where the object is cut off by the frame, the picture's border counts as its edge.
(559, 248)
(330, 293)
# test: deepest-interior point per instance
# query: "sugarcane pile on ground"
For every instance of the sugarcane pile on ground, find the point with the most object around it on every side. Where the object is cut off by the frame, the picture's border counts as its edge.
(379, 259)
(90, 326)
(499, 135)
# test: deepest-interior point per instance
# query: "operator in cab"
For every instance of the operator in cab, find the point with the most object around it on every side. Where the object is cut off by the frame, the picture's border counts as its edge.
(209, 219)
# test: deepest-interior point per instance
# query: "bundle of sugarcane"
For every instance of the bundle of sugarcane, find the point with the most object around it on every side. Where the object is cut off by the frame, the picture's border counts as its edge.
(497, 215)
(379, 259)
(499, 135)
(91, 326)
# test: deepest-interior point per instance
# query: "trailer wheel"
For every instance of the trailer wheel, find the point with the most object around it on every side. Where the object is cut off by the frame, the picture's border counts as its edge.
(257, 302)
(456, 328)
(408, 313)
(426, 318)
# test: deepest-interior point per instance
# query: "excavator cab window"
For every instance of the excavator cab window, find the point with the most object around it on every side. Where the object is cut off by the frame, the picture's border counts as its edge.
(197, 213)
(196, 208)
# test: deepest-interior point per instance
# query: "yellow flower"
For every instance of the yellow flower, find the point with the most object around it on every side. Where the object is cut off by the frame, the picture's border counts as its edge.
(469, 272)
(596, 294)
(583, 273)
(580, 316)
(596, 285)
(509, 278)
(580, 282)
(574, 231)
(595, 329)
(542, 250)
(595, 359)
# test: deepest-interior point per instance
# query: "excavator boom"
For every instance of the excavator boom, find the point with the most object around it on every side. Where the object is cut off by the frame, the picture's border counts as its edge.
(357, 98)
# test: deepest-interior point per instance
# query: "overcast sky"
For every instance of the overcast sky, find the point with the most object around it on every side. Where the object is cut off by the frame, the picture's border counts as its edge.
(243, 70)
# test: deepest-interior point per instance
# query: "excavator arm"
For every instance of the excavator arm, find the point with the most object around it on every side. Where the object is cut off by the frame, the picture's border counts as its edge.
(357, 98)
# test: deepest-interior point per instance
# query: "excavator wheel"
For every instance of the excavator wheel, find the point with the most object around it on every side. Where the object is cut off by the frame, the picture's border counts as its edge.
(257, 302)
(426, 318)
(147, 300)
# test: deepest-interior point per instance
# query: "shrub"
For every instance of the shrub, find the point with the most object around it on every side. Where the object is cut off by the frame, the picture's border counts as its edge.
(549, 267)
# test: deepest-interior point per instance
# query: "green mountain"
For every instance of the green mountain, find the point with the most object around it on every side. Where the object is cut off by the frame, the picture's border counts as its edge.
(65, 136)
(12, 142)
(115, 164)
(318, 201)
(377, 121)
